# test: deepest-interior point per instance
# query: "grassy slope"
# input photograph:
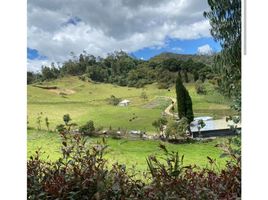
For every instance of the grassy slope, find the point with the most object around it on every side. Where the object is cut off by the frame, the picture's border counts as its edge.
(129, 152)
(88, 103)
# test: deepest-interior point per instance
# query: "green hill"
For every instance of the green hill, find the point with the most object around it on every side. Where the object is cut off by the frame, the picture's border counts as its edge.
(208, 60)
(88, 101)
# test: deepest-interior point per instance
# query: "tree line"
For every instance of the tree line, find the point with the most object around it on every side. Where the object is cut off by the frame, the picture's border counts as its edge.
(124, 70)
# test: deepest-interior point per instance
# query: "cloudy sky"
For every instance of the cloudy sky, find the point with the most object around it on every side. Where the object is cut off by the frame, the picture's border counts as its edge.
(143, 28)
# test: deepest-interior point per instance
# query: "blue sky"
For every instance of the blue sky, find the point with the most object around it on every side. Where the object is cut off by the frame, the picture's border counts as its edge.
(143, 28)
(171, 45)
(178, 46)
(34, 54)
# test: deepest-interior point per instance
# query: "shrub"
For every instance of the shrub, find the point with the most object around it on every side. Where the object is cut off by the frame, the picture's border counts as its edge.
(62, 94)
(66, 127)
(88, 128)
(174, 180)
(200, 88)
(162, 85)
(177, 129)
(47, 123)
(39, 120)
(61, 128)
(113, 100)
(83, 77)
(160, 123)
(144, 95)
(83, 173)
(66, 119)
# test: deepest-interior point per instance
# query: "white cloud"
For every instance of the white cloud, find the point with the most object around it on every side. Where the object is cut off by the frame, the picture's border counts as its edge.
(35, 65)
(108, 25)
(177, 49)
(204, 50)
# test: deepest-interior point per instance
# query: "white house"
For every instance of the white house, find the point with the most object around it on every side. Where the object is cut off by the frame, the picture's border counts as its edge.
(125, 102)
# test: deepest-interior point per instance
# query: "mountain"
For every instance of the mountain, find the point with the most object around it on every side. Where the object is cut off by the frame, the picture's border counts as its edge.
(206, 59)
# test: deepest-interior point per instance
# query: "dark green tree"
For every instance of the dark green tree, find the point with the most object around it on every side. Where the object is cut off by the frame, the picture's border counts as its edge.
(88, 128)
(225, 20)
(184, 101)
(47, 123)
(66, 119)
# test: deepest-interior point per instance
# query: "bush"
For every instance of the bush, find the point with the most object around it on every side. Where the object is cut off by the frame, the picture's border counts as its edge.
(200, 88)
(160, 123)
(66, 118)
(177, 129)
(62, 94)
(61, 128)
(144, 95)
(113, 100)
(83, 173)
(88, 128)
(163, 85)
(67, 126)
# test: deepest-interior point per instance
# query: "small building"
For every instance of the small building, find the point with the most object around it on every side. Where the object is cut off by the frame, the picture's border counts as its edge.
(133, 132)
(125, 102)
(213, 128)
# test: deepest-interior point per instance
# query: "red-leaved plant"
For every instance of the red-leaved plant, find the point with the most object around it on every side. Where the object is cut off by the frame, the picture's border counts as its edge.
(82, 173)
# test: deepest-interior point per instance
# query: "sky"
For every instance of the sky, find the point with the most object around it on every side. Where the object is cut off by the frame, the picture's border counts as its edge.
(143, 28)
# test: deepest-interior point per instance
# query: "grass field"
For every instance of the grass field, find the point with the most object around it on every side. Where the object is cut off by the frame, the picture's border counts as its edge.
(129, 152)
(87, 101)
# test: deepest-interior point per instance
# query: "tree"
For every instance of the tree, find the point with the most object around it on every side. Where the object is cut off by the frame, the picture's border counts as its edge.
(47, 73)
(184, 101)
(66, 119)
(39, 120)
(200, 88)
(171, 64)
(144, 95)
(177, 129)
(30, 77)
(160, 123)
(113, 100)
(66, 127)
(88, 128)
(225, 20)
(47, 123)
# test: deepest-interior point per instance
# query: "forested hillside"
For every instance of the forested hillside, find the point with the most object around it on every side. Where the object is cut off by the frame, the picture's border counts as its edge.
(121, 69)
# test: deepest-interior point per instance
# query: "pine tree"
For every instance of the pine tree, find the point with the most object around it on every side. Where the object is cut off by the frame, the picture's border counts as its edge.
(184, 102)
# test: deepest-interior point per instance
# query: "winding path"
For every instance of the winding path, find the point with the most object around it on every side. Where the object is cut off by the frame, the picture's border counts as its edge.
(217, 123)
(167, 110)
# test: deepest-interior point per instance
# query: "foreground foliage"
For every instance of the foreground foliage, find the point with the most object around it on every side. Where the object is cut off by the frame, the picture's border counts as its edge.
(82, 173)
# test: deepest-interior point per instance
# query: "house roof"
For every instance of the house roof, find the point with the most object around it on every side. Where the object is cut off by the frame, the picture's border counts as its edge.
(125, 101)
(211, 124)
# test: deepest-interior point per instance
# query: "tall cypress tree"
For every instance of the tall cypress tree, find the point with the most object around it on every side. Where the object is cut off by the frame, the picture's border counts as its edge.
(180, 97)
(189, 107)
(184, 102)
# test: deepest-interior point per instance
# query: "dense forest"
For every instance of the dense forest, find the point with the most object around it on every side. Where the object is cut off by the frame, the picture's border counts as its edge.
(124, 70)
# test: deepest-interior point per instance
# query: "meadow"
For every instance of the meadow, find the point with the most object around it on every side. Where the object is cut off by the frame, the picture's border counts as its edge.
(129, 152)
(86, 101)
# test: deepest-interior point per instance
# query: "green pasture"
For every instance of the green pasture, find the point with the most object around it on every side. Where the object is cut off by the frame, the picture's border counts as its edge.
(129, 152)
(87, 101)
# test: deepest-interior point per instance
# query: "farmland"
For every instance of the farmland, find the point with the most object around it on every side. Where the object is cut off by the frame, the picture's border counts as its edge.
(88, 101)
